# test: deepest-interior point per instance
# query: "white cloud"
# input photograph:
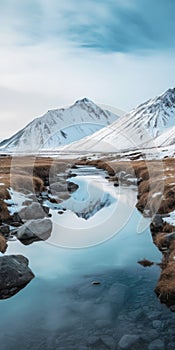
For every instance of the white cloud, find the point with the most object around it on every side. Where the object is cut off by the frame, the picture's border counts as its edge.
(40, 77)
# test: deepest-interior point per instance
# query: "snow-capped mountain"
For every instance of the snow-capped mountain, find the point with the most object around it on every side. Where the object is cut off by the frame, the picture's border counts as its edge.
(59, 127)
(140, 126)
(166, 139)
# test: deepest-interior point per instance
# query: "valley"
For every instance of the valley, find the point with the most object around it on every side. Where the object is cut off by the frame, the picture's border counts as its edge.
(87, 215)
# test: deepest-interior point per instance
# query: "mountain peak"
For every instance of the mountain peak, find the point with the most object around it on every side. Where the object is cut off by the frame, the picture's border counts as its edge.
(168, 95)
(84, 100)
(60, 126)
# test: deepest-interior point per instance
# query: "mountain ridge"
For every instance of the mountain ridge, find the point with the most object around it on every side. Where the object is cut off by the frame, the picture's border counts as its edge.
(80, 119)
(138, 127)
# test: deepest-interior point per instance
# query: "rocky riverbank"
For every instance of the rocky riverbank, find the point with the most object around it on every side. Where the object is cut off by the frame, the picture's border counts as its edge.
(44, 179)
(155, 181)
(23, 189)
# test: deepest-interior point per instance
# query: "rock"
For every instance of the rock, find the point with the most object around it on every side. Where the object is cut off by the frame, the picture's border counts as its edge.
(58, 187)
(170, 346)
(4, 230)
(3, 244)
(172, 308)
(16, 219)
(109, 341)
(35, 230)
(14, 274)
(27, 202)
(60, 190)
(157, 324)
(156, 345)
(154, 315)
(72, 187)
(95, 283)
(33, 211)
(128, 340)
(93, 340)
(157, 221)
(150, 335)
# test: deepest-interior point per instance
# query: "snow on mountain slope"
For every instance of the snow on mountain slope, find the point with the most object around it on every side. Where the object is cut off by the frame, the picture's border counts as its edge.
(59, 127)
(138, 127)
(166, 139)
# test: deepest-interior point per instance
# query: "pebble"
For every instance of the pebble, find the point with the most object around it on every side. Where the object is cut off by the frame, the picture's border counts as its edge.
(107, 340)
(128, 340)
(156, 344)
(170, 346)
(154, 315)
(157, 324)
(92, 340)
(150, 335)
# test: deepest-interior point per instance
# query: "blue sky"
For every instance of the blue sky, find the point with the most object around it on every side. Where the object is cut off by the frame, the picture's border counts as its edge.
(116, 52)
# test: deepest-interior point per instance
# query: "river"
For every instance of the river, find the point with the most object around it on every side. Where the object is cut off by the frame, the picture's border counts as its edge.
(89, 290)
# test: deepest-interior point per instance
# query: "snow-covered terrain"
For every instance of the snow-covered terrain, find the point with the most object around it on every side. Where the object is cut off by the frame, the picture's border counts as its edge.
(140, 126)
(59, 127)
(166, 139)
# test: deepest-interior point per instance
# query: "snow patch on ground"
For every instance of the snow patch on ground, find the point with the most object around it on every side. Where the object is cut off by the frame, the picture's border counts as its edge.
(170, 219)
(15, 203)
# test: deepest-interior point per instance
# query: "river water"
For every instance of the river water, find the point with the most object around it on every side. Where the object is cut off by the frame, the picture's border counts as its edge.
(89, 290)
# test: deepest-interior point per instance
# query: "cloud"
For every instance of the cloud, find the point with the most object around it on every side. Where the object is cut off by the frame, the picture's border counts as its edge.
(54, 52)
(104, 25)
(41, 77)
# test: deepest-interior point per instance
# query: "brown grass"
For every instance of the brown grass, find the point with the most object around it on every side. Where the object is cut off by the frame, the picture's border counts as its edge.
(166, 284)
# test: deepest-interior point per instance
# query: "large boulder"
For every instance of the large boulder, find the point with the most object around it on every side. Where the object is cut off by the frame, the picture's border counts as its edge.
(14, 274)
(35, 230)
(33, 211)
(60, 190)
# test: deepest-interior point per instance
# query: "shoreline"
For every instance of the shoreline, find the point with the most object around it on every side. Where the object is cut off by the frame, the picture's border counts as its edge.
(155, 181)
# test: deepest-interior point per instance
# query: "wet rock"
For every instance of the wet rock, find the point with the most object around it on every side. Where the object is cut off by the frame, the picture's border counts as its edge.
(14, 275)
(57, 187)
(3, 244)
(156, 345)
(72, 187)
(17, 219)
(151, 334)
(97, 343)
(136, 314)
(27, 202)
(172, 308)
(170, 346)
(128, 340)
(60, 212)
(109, 341)
(157, 324)
(95, 283)
(33, 211)
(35, 230)
(93, 340)
(154, 315)
(4, 230)
(157, 221)
(145, 263)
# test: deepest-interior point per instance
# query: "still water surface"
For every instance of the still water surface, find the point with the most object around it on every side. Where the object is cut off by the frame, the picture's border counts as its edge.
(62, 309)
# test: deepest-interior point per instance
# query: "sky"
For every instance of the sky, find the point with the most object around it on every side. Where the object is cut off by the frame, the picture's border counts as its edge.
(53, 52)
